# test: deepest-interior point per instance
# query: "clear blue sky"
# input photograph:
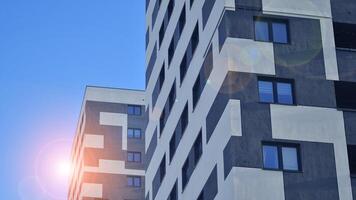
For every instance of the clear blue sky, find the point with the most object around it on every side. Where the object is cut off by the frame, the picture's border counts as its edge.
(49, 51)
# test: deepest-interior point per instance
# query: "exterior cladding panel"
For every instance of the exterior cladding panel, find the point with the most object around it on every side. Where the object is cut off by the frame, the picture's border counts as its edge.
(318, 180)
(114, 186)
(346, 63)
(344, 11)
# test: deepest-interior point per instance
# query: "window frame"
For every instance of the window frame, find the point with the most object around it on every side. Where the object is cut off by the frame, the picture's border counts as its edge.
(279, 146)
(274, 82)
(270, 22)
(134, 107)
(134, 135)
(134, 153)
(133, 181)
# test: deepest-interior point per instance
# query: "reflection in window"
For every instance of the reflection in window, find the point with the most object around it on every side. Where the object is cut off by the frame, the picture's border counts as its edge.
(270, 157)
(261, 31)
(290, 158)
(266, 91)
(284, 92)
(280, 34)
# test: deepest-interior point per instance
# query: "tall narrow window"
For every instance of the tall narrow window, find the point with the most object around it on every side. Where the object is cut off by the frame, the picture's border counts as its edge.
(198, 148)
(270, 157)
(266, 91)
(185, 173)
(161, 77)
(262, 31)
(280, 34)
(162, 168)
(172, 146)
(195, 38)
(184, 118)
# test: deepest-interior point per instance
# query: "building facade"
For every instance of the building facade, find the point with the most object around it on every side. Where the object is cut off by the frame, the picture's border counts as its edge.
(108, 150)
(251, 99)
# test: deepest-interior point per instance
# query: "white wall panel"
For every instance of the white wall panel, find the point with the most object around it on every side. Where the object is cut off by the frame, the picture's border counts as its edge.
(244, 55)
(252, 184)
(94, 141)
(92, 190)
(113, 167)
(116, 119)
(318, 8)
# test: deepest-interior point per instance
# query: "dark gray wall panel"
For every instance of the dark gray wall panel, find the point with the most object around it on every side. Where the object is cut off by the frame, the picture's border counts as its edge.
(346, 61)
(350, 127)
(303, 57)
(318, 180)
(315, 92)
(344, 10)
(250, 4)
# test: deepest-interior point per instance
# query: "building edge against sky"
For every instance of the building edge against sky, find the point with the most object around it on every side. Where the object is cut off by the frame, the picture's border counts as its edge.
(241, 96)
(108, 149)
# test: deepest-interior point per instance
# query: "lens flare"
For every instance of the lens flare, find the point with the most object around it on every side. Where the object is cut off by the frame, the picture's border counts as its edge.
(63, 169)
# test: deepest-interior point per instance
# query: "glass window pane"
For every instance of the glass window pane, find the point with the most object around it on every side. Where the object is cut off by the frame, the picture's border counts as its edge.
(261, 31)
(130, 133)
(137, 133)
(130, 157)
(137, 110)
(270, 157)
(130, 181)
(290, 158)
(137, 181)
(137, 157)
(280, 34)
(266, 91)
(284, 91)
(130, 110)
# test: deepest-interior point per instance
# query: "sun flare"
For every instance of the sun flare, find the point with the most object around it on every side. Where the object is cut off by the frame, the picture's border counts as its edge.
(63, 169)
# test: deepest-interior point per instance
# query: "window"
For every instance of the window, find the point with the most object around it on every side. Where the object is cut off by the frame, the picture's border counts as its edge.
(133, 156)
(195, 38)
(161, 77)
(170, 9)
(181, 21)
(184, 119)
(198, 148)
(271, 30)
(183, 68)
(162, 121)
(134, 110)
(345, 35)
(171, 51)
(162, 168)
(133, 181)
(281, 156)
(351, 152)
(134, 133)
(275, 90)
(173, 195)
(196, 91)
(172, 146)
(162, 30)
(345, 95)
(172, 96)
(185, 173)
(201, 196)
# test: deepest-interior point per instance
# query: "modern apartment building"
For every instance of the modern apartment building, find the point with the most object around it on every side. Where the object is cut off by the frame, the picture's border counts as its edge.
(251, 99)
(108, 149)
